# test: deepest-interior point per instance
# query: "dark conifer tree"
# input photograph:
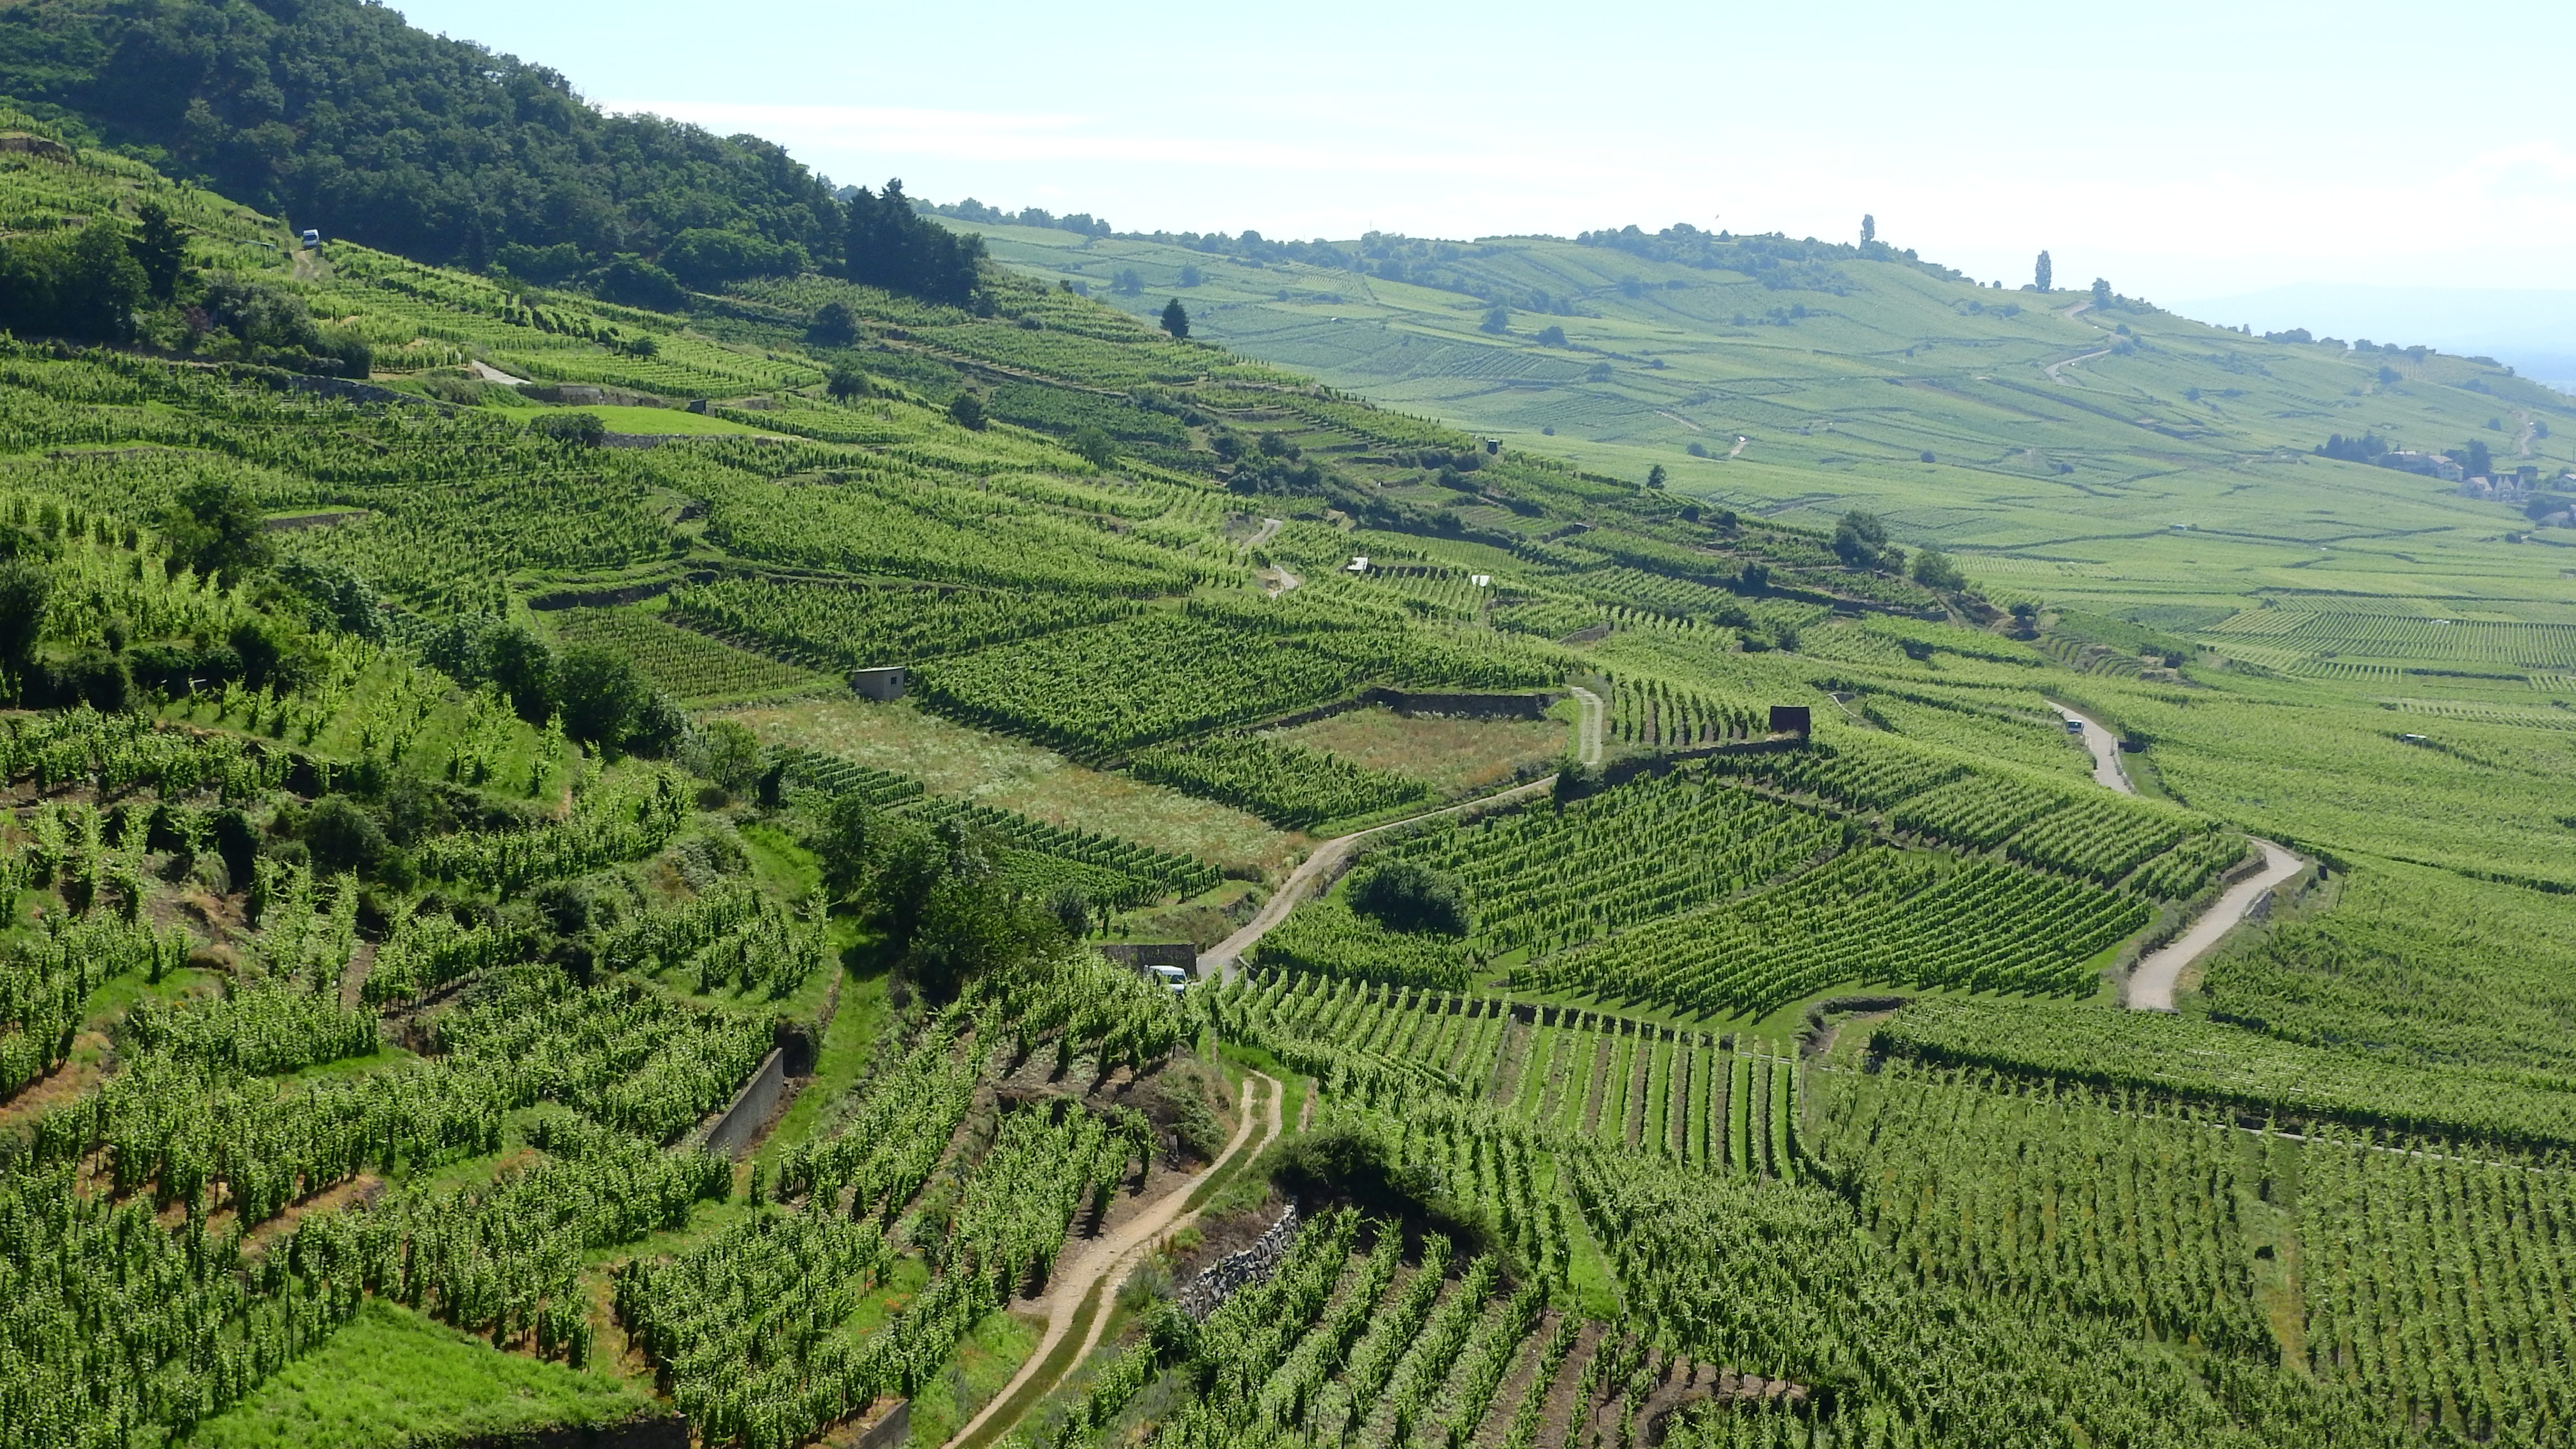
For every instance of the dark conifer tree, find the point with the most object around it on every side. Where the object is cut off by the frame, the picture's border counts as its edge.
(1176, 320)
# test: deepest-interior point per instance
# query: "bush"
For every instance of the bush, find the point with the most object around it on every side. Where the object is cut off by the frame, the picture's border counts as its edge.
(580, 430)
(833, 325)
(1406, 895)
(602, 696)
(638, 283)
(83, 283)
(1091, 442)
(706, 258)
(968, 410)
(342, 836)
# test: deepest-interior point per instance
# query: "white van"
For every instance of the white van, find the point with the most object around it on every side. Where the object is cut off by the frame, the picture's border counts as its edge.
(1171, 976)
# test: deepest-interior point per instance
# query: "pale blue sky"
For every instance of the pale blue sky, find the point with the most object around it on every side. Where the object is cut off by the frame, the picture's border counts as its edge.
(2180, 149)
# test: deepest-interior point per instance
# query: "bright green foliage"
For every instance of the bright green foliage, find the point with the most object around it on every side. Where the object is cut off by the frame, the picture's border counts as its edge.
(1183, 674)
(1289, 785)
(860, 628)
(732, 938)
(2204, 1062)
(681, 663)
(832, 775)
(1873, 915)
(1868, 775)
(1039, 856)
(1993, 1182)
(1331, 939)
(1650, 711)
(1546, 879)
(45, 985)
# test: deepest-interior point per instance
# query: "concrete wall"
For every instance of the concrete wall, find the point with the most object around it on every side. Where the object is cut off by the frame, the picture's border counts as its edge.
(732, 1132)
(658, 1431)
(1152, 953)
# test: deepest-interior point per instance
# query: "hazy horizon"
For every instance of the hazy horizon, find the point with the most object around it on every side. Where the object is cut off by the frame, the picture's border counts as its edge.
(2205, 152)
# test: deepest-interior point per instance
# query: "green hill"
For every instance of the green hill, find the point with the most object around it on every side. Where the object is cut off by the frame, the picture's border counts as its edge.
(2169, 461)
(450, 788)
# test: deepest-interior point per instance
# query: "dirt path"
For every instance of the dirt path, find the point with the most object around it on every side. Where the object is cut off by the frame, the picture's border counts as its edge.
(489, 373)
(1587, 734)
(2106, 751)
(1738, 449)
(2151, 983)
(1269, 530)
(1104, 1265)
(1226, 957)
(2152, 980)
(2522, 440)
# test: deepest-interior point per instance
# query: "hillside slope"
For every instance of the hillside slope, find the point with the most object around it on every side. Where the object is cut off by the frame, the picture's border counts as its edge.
(1800, 388)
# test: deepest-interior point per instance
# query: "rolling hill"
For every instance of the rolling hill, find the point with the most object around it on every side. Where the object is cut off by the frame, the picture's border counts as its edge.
(577, 870)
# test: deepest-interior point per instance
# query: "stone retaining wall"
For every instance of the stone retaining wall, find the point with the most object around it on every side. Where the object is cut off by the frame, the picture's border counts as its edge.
(1235, 1272)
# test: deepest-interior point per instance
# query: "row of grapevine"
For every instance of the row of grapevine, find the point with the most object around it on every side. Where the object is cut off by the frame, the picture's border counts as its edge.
(735, 937)
(1289, 785)
(2114, 1205)
(1874, 915)
(1650, 711)
(116, 754)
(831, 626)
(1542, 880)
(682, 663)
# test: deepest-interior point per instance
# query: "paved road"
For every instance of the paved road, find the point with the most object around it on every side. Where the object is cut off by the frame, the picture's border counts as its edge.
(2052, 368)
(2106, 751)
(1226, 957)
(1113, 1258)
(2151, 981)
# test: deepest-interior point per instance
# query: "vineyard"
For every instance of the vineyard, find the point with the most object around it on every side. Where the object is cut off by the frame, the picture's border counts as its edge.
(852, 628)
(684, 665)
(1286, 784)
(398, 926)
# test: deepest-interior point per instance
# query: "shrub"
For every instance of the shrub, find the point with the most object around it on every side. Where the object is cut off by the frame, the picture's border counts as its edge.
(581, 430)
(1406, 895)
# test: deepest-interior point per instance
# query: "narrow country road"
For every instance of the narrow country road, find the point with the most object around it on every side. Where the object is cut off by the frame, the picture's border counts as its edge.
(2152, 980)
(1227, 955)
(2106, 751)
(1105, 1263)
(1269, 530)
(2052, 368)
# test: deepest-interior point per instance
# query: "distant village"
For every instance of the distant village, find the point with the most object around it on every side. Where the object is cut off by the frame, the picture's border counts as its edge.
(2518, 488)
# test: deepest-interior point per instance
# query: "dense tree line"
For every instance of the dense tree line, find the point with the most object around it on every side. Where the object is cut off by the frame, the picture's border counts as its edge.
(337, 115)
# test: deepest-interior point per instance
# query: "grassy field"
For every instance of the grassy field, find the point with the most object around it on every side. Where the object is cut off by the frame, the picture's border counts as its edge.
(1453, 756)
(954, 759)
(392, 1375)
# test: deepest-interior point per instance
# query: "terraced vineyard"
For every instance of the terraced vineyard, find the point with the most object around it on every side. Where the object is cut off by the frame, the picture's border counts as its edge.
(407, 1005)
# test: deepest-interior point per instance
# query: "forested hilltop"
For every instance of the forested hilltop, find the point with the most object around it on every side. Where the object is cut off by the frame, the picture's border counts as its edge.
(495, 946)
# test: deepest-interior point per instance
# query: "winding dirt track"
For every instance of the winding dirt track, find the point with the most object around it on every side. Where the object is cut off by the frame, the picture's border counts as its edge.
(1226, 957)
(1105, 1264)
(2152, 980)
